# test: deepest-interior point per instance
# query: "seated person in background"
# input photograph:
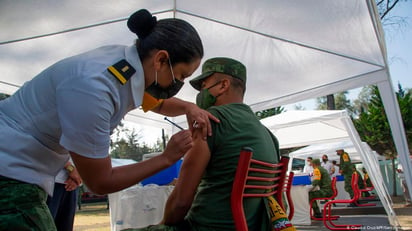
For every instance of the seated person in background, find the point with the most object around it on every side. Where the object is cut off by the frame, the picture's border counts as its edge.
(367, 181)
(321, 178)
(201, 197)
(361, 184)
(308, 166)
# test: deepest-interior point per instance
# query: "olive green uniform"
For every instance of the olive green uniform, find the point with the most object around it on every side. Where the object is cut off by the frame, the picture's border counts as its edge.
(23, 207)
(211, 208)
(346, 166)
(367, 180)
(321, 178)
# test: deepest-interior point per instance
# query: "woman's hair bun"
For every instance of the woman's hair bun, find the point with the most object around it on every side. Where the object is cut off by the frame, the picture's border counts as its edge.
(141, 23)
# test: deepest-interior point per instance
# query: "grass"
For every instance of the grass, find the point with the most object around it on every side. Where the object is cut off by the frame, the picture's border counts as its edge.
(92, 217)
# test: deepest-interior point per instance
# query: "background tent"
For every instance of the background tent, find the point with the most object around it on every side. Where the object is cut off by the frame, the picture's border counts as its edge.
(294, 50)
(319, 149)
(301, 128)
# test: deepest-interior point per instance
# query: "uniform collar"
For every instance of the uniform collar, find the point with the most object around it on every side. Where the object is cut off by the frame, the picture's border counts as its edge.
(137, 80)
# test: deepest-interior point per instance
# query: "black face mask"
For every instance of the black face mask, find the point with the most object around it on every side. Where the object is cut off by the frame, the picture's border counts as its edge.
(164, 93)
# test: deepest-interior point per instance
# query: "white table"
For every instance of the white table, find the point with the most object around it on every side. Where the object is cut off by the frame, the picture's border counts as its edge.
(138, 206)
(300, 198)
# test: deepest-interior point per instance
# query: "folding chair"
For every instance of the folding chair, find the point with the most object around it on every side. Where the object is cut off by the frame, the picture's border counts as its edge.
(335, 193)
(367, 189)
(327, 209)
(364, 203)
(271, 182)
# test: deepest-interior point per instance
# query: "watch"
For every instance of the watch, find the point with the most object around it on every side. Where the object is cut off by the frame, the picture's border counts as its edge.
(70, 168)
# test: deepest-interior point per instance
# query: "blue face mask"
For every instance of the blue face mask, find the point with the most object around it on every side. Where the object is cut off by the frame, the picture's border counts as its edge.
(205, 99)
(164, 93)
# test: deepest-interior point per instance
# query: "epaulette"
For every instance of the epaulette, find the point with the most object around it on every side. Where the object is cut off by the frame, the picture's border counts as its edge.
(122, 71)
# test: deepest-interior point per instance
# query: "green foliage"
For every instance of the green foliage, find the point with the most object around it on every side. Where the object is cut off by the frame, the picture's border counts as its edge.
(373, 126)
(341, 102)
(269, 112)
(125, 144)
(3, 96)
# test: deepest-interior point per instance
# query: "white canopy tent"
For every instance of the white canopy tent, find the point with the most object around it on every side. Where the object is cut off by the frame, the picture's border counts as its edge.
(294, 50)
(324, 131)
(319, 149)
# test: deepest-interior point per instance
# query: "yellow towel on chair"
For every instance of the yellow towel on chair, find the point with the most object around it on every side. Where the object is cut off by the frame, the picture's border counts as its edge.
(278, 218)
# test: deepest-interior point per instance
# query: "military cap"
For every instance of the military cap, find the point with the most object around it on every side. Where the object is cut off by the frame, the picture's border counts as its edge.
(316, 161)
(223, 65)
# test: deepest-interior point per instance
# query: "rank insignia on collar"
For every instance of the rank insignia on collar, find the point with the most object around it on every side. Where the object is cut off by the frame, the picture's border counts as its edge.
(122, 71)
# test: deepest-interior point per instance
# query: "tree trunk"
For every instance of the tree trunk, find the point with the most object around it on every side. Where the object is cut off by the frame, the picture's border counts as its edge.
(394, 176)
(164, 139)
(330, 102)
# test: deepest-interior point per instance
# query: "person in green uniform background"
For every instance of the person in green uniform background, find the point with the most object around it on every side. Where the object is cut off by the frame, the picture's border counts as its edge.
(321, 179)
(346, 169)
(366, 179)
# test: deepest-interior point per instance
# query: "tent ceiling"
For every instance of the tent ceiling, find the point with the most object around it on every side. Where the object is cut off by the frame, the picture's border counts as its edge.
(294, 50)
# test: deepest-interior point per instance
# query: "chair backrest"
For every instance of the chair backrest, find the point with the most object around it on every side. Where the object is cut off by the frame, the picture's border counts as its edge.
(355, 187)
(286, 190)
(256, 178)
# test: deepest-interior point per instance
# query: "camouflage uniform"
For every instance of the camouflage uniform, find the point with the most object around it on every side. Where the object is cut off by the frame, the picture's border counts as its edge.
(321, 178)
(346, 167)
(367, 180)
(23, 207)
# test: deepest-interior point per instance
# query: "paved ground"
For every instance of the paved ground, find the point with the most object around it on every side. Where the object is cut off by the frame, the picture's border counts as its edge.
(371, 218)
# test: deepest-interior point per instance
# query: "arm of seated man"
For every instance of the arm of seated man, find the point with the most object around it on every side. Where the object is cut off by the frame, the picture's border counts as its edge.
(193, 166)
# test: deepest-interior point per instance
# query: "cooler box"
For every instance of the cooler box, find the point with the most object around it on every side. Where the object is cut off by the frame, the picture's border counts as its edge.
(301, 180)
(165, 176)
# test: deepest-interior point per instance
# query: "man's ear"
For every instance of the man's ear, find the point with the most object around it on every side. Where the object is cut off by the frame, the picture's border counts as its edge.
(159, 58)
(225, 84)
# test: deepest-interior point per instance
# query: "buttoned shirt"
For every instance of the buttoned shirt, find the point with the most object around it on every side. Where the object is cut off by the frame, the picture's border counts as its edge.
(73, 105)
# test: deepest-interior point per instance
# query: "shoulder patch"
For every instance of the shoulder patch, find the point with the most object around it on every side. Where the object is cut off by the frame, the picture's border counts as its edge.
(122, 71)
(317, 174)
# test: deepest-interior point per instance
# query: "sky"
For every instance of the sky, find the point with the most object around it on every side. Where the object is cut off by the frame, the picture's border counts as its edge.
(399, 46)
(399, 56)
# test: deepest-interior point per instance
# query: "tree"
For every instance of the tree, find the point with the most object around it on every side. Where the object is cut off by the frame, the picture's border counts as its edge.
(341, 102)
(269, 112)
(373, 127)
(3, 96)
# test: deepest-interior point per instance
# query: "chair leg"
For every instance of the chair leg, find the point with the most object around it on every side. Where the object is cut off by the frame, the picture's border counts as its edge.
(327, 220)
(319, 219)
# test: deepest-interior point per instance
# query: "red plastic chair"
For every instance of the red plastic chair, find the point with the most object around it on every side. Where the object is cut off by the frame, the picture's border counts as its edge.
(286, 190)
(335, 193)
(327, 209)
(274, 184)
(367, 189)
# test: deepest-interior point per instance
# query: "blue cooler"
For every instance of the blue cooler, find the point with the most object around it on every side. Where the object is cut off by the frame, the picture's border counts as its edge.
(165, 176)
(301, 180)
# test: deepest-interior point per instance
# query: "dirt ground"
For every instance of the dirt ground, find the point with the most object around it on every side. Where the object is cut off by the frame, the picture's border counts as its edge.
(96, 217)
(92, 217)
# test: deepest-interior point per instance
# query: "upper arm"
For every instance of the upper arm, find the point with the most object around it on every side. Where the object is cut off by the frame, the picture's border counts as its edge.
(84, 110)
(193, 167)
